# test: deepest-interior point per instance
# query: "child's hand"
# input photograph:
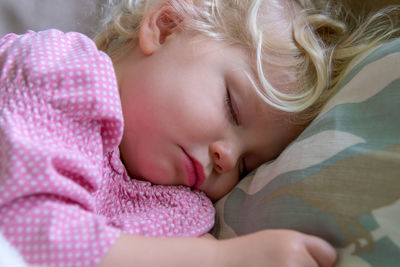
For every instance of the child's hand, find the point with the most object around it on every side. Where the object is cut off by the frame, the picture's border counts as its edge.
(208, 236)
(269, 248)
(276, 248)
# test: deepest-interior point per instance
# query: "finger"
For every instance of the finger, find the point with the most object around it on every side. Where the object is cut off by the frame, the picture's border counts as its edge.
(208, 236)
(322, 252)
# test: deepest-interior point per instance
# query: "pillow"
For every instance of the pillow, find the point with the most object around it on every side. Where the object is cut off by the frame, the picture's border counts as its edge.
(340, 179)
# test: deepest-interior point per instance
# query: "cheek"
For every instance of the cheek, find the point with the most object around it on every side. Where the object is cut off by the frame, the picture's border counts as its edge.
(199, 119)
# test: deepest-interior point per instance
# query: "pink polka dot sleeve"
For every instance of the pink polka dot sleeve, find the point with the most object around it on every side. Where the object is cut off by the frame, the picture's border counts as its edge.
(59, 113)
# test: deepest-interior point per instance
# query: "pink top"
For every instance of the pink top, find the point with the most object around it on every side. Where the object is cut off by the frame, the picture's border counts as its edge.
(65, 196)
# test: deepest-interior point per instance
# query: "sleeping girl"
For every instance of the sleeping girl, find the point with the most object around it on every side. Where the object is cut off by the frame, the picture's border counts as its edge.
(109, 146)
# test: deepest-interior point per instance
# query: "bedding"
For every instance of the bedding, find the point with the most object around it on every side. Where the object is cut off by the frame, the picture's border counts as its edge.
(13, 258)
(340, 179)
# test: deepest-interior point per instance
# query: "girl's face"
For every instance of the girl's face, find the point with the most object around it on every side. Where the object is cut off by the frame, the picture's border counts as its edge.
(192, 117)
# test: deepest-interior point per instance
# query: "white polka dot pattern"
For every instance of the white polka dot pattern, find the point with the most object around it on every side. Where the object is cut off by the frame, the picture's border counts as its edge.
(140, 208)
(64, 194)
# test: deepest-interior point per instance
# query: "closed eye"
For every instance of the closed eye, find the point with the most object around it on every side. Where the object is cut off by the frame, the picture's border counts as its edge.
(233, 114)
(242, 169)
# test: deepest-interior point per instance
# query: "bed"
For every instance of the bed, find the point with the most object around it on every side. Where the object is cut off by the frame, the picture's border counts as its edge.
(340, 179)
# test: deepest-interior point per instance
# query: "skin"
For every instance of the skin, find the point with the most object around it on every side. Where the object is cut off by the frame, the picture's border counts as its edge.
(275, 248)
(182, 106)
(173, 96)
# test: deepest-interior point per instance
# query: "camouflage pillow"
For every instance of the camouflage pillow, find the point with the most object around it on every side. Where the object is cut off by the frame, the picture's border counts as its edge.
(340, 179)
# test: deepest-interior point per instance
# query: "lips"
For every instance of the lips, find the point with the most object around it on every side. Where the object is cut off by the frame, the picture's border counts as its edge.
(194, 170)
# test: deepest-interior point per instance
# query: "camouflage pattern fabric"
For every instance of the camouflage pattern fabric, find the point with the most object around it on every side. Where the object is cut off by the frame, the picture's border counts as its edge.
(340, 179)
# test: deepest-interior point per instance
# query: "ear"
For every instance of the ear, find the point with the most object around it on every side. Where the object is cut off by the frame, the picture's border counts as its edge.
(156, 26)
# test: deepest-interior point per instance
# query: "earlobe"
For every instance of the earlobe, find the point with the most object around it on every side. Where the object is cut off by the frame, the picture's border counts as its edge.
(156, 26)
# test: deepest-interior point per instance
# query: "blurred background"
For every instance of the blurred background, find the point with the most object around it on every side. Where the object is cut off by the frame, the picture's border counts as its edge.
(368, 5)
(18, 16)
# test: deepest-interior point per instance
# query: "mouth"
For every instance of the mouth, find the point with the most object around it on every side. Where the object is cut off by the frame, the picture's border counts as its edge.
(194, 170)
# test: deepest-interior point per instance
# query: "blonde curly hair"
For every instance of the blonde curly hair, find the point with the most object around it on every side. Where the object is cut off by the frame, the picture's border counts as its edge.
(312, 47)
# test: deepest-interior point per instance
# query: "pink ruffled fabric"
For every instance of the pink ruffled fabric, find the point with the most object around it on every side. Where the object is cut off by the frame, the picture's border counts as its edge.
(65, 196)
(140, 208)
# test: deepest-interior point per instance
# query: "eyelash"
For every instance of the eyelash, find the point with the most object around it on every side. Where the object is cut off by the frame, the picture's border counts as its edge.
(243, 170)
(232, 112)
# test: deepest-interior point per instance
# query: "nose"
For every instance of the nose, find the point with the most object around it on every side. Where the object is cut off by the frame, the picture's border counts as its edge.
(224, 156)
